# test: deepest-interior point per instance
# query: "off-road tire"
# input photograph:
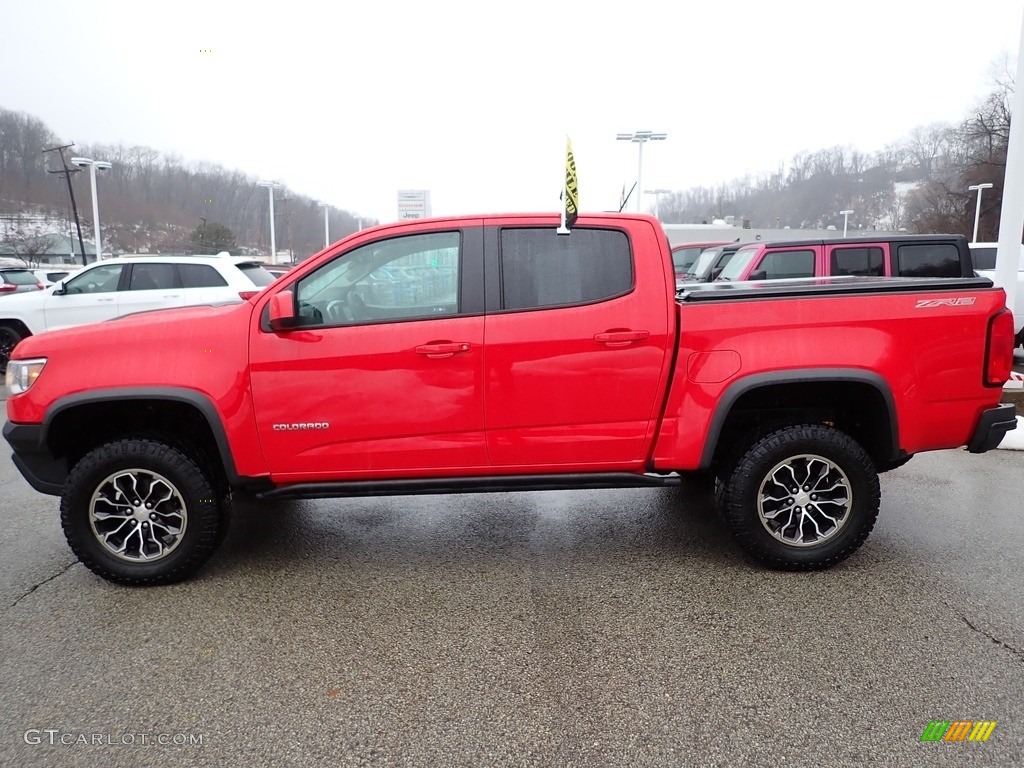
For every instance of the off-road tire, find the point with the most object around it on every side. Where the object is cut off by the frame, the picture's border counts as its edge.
(738, 496)
(208, 513)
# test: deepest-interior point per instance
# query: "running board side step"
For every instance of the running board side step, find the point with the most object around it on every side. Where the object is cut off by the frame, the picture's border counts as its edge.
(485, 484)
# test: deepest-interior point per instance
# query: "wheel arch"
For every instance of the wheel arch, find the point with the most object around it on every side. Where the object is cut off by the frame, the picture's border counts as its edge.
(185, 417)
(761, 401)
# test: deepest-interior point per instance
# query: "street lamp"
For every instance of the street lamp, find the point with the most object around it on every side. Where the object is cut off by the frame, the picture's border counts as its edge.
(977, 207)
(93, 166)
(657, 199)
(640, 138)
(846, 216)
(271, 186)
(327, 227)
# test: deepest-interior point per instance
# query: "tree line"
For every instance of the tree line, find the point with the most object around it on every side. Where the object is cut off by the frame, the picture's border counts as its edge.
(919, 183)
(153, 200)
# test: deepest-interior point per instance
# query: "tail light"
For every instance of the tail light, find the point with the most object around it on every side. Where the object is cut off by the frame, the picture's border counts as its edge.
(999, 350)
(8, 288)
(40, 286)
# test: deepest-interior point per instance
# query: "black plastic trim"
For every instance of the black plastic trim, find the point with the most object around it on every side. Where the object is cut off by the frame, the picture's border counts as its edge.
(173, 394)
(811, 287)
(797, 376)
(483, 484)
(43, 471)
(992, 427)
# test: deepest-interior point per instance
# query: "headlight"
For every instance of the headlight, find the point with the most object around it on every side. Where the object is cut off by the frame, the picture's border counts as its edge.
(22, 374)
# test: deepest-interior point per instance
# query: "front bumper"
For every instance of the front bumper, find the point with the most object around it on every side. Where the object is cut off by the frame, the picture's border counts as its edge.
(33, 459)
(992, 426)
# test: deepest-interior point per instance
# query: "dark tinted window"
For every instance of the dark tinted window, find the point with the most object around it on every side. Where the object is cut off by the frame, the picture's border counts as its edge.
(858, 261)
(257, 274)
(984, 258)
(19, 277)
(153, 277)
(200, 276)
(928, 260)
(540, 268)
(779, 265)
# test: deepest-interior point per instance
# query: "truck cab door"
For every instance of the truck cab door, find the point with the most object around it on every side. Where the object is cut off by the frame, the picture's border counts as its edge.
(577, 341)
(382, 376)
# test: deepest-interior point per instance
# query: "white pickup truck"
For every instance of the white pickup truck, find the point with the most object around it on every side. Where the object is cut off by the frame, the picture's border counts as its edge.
(983, 255)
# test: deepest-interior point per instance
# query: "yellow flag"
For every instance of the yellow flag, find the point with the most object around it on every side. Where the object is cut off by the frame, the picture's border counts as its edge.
(572, 194)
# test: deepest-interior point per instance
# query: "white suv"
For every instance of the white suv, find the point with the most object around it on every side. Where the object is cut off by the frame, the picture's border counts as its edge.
(116, 287)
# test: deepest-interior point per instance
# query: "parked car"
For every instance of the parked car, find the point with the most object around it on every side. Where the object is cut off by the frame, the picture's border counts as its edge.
(18, 280)
(940, 256)
(555, 362)
(708, 265)
(983, 255)
(277, 270)
(53, 274)
(116, 287)
(685, 254)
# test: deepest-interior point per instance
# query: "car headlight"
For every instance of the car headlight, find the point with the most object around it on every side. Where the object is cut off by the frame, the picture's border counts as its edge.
(22, 374)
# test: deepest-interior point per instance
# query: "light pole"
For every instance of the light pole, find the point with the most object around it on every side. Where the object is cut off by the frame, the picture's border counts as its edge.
(327, 226)
(640, 138)
(977, 207)
(271, 186)
(93, 166)
(657, 199)
(846, 216)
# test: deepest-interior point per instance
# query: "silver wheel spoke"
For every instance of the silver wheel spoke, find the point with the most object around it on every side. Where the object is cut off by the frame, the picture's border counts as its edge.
(138, 515)
(797, 517)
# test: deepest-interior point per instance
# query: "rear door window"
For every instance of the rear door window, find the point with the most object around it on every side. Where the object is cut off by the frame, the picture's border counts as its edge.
(200, 276)
(540, 268)
(869, 261)
(153, 277)
(928, 260)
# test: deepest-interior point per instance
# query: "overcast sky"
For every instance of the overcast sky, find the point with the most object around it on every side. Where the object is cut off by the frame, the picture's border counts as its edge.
(349, 103)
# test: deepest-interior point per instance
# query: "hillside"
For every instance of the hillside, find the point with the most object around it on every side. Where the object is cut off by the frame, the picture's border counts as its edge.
(149, 201)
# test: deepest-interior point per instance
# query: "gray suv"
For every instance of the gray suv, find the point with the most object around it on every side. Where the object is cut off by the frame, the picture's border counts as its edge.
(18, 280)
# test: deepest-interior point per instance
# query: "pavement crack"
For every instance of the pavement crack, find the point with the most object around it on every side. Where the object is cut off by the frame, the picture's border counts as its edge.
(34, 587)
(1015, 651)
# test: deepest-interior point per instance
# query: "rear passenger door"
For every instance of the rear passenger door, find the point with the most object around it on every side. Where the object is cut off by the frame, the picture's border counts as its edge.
(575, 346)
(150, 286)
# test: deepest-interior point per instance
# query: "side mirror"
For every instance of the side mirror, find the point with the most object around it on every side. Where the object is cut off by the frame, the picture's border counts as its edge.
(282, 311)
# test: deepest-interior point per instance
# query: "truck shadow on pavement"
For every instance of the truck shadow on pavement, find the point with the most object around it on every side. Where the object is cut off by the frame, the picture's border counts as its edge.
(481, 528)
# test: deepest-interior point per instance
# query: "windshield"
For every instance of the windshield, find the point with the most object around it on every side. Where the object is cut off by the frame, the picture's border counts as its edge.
(683, 258)
(738, 263)
(699, 269)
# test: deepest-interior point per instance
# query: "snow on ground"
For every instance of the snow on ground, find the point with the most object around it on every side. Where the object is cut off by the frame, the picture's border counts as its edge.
(1014, 439)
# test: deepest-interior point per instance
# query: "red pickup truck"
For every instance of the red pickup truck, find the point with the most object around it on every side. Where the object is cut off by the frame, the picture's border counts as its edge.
(493, 354)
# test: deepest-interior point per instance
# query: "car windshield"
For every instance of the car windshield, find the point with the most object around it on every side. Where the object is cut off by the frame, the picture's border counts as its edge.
(738, 263)
(699, 269)
(683, 258)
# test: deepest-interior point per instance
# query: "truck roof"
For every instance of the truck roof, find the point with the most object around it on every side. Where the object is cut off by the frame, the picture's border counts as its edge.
(857, 240)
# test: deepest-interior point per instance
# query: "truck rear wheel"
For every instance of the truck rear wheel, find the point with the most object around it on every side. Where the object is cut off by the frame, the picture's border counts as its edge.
(801, 498)
(140, 512)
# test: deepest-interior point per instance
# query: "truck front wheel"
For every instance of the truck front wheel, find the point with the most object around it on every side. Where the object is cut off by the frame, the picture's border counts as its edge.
(801, 498)
(140, 512)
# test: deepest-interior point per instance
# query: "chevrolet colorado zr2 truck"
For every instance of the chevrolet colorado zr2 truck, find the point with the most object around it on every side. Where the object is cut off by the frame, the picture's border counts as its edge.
(480, 354)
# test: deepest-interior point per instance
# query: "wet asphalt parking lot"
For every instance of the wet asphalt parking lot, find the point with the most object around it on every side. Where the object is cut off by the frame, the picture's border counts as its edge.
(613, 628)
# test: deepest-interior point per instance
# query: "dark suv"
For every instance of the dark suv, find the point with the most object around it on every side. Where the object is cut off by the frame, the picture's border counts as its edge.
(18, 280)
